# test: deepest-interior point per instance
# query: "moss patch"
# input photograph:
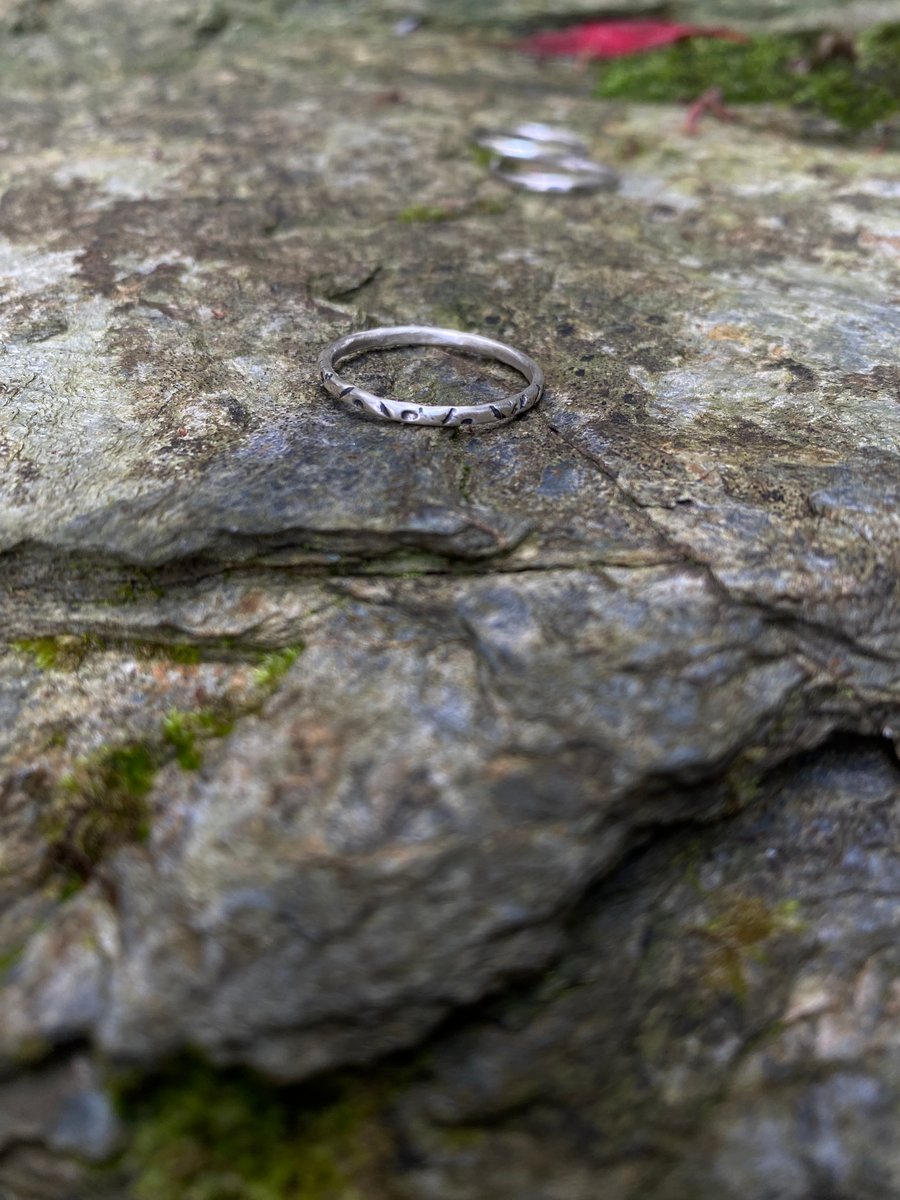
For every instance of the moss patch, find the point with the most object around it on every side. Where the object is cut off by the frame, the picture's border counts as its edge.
(9, 958)
(183, 730)
(857, 88)
(272, 668)
(424, 213)
(100, 805)
(63, 653)
(204, 1134)
(66, 652)
(737, 935)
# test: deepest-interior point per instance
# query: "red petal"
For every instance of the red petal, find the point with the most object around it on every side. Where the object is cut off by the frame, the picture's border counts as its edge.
(614, 39)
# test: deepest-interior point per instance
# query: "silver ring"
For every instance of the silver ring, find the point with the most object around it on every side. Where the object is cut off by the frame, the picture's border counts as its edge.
(565, 173)
(544, 158)
(530, 140)
(384, 408)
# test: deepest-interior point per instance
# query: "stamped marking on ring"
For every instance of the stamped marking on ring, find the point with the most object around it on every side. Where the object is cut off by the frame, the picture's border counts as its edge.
(481, 416)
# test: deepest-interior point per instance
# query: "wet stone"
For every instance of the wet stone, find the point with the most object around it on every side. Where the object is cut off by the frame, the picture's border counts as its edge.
(544, 775)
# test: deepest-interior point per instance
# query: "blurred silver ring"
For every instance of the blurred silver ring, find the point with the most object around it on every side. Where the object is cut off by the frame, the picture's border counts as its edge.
(559, 174)
(530, 140)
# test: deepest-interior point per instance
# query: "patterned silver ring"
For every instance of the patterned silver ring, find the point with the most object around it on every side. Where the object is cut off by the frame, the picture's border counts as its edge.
(410, 413)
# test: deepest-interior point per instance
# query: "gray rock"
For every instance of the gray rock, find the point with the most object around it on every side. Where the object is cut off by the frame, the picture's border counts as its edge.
(512, 657)
(723, 1022)
(52, 1115)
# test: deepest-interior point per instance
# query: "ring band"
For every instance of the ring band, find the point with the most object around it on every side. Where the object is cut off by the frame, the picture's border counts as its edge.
(563, 174)
(386, 409)
(530, 140)
(544, 158)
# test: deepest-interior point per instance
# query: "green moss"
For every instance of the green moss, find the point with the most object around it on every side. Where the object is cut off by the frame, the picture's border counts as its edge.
(182, 731)
(99, 805)
(43, 650)
(70, 886)
(465, 477)
(738, 933)
(860, 93)
(856, 91)
(66, 652)
(182, 737)
(63, 653)
(272, 668)
(482, 156)
(57, 739)
(184, 652)
(425, 213)
(203, 1134)
(133, 591)
(9, 958)
(755, 71)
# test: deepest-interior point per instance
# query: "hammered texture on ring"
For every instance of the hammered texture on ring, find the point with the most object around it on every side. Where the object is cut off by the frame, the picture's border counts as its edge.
(385, 408)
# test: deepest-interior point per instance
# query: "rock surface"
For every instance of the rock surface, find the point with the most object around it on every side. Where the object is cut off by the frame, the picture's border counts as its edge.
(316, 732)
(736, 1037)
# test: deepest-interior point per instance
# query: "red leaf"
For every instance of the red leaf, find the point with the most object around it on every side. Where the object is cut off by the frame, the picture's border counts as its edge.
(614, 39)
